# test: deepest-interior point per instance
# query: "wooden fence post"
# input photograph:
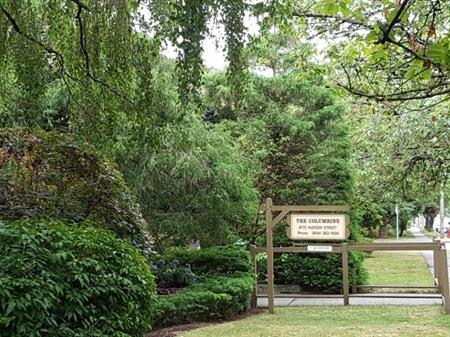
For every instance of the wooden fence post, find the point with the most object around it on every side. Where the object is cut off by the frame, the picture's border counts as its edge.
(438, 268)
(345, 283)
(435, 262)
(269, 245)
(444, 279)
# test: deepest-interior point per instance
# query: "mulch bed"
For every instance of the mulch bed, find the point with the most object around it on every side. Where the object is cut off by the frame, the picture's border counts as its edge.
(173, 331)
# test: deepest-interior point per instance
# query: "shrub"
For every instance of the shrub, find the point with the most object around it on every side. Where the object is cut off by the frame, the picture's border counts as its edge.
(215, 298)
(59, 280)
(214, 260)
(223, 289)
(239, 286)
(315, 272)
(171, 273)
(48, 174)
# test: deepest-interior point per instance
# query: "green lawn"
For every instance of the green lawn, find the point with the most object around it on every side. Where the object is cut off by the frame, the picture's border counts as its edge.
(398, 268)
(431, 234)
(338, 321)
(406, 234)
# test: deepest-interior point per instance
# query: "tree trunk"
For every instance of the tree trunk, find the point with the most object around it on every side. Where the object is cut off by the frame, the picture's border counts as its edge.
(429, 219)
(429, 213)
(402, 230)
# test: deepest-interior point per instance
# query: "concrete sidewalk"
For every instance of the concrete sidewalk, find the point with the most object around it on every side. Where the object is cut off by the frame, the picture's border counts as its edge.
(428, 255)
(296, 302)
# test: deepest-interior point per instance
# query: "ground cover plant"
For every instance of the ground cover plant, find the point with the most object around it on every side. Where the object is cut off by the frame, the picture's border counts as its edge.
(59, 280)
(214, 260)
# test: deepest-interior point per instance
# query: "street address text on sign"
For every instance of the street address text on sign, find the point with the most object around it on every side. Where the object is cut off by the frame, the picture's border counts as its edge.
(318, 226)
(320, 249)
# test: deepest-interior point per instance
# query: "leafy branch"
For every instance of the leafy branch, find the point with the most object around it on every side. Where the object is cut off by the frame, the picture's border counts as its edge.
(59, 56)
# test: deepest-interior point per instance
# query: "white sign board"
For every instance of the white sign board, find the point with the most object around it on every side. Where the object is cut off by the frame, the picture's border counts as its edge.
(318, 226)
(320, 248)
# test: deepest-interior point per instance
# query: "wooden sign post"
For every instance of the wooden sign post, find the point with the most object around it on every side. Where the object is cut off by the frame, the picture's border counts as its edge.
(314, 226)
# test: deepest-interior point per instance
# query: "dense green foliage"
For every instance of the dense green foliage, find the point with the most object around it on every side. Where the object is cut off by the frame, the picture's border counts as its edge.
(59, 280)
(201, 150)
(88, 66)
(193, 180)
(214, 298)
(214, 260)
(298, 132)
(315, 272)
(70, 65)
(195, 186)
(49, 175)
(222, 290)
(300, 136)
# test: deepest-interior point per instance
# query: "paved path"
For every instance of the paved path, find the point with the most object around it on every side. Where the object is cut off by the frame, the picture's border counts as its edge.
(294, 302)
(427, 254)
(418, 237)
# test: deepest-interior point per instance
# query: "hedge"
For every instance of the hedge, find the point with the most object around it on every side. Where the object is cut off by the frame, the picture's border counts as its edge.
(50, 175)
(59, 280)
(314, 272)
(223, 289)
(215, 298)
(214, 260)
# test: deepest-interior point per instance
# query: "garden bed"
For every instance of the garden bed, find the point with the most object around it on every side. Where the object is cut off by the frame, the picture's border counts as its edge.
(173, 331)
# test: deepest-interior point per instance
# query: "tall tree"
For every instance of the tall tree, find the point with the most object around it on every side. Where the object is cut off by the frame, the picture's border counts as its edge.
(399, 159)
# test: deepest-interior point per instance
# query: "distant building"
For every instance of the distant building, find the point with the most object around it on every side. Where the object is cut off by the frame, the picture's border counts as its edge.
(437, 223)
(419, 222)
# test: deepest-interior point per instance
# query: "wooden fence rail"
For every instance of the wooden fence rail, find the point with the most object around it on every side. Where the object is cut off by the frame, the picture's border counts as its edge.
(437, 247)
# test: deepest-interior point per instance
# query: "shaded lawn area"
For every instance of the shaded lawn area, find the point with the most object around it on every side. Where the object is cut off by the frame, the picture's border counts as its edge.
(398, 268)
(338, 321)
(430, 234)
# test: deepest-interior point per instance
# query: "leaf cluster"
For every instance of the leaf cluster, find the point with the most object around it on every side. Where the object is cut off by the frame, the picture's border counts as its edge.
(59, 280)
